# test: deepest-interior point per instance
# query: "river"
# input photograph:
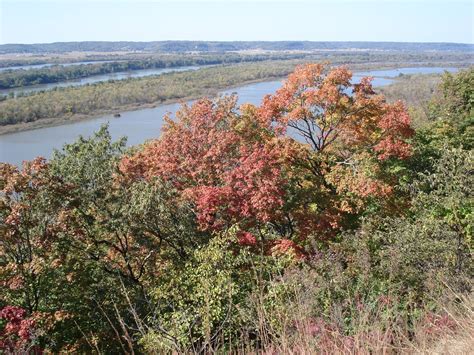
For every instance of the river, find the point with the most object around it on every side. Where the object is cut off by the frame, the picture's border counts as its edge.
(144, 124)
(46, 65)
(97, 78)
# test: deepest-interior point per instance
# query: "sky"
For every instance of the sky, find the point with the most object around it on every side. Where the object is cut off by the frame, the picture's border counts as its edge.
(44, 21)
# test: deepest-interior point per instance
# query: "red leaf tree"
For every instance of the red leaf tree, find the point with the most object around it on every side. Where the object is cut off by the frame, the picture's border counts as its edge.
(226, 162)
(350, 132)
(313, 155)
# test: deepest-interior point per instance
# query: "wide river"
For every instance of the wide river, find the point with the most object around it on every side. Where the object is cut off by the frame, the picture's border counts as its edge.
(97, 78)
(141, 125)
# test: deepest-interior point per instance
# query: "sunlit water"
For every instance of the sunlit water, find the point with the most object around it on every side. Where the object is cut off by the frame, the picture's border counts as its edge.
(97, 78)
(144, 124)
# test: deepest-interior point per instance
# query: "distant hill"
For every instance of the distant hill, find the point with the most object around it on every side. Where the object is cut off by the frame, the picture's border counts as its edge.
(204, 46)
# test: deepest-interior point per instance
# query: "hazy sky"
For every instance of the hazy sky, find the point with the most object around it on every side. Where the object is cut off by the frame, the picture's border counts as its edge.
(35, 21)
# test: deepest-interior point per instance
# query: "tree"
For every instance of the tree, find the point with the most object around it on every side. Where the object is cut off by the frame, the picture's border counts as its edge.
(353, 136)
(74, 230)
(241, 167)
(223, 161)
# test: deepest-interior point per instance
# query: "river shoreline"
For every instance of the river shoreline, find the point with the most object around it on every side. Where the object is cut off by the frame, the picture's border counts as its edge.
(53, 122)
(212, 92)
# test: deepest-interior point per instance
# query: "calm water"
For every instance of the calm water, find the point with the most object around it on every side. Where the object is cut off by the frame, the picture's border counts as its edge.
(97, 78)
(143, 124)
(38, 66)
(392, 73)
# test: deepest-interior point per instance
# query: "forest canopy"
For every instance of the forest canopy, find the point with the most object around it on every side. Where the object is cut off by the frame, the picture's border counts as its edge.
(320, 219)
(58, 73)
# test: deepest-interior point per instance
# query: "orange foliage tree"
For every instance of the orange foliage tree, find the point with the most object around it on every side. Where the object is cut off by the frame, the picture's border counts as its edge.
(231, 167)
(305, 162)
(351, 135)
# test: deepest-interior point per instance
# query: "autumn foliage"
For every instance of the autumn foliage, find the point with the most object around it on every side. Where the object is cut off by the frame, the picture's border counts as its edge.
(231, 170)
(319, 135)
(317, 216)
(18, 331)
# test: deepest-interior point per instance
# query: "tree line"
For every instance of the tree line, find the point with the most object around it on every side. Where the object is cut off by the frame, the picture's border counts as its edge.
(225, 235)
(225, 46)
(60, 73)
(62, 103)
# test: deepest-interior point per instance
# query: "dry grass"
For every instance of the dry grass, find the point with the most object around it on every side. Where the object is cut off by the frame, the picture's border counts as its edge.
(451, 334)
(448, 331)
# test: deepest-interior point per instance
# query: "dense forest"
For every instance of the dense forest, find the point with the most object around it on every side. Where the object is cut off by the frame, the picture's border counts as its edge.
(58, 73)
(340, 56)
(227, 235)
(64, 103)
(66, 67)
(210, 46)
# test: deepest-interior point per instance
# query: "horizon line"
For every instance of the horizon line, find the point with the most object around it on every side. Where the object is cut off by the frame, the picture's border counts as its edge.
(239, 40)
